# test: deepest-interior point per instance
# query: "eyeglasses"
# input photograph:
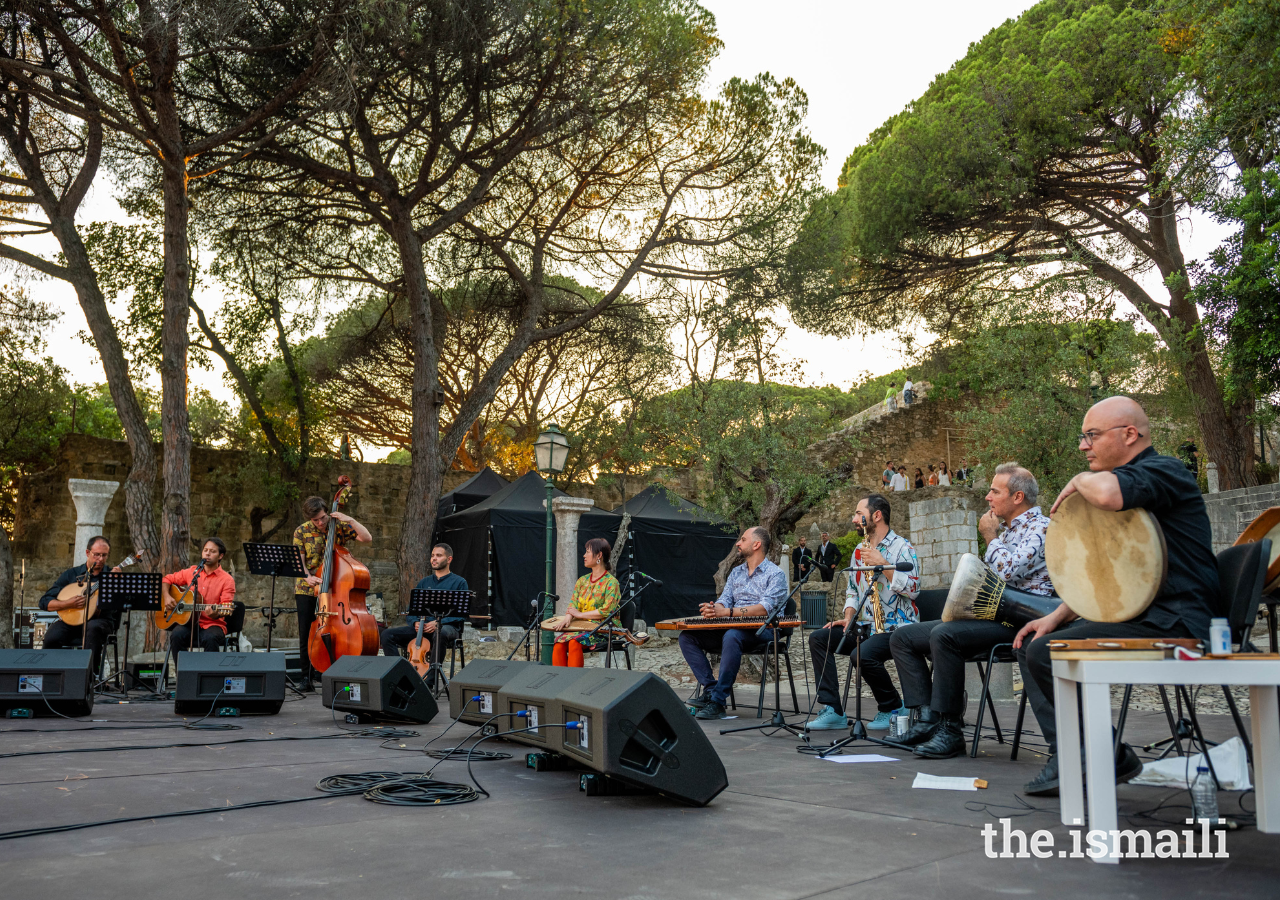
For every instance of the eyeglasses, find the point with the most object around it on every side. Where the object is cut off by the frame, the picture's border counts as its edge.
(1088, 437)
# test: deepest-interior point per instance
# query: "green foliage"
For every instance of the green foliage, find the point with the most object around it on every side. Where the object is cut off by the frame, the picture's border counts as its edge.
(1239, 288)
(1034, 369)
(846, 544)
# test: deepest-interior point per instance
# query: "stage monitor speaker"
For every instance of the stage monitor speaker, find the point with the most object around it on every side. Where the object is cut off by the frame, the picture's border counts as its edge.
(482, 679)
(378, 687)
(47, 682)
(635, 729)
(535, 691)
(220, 684)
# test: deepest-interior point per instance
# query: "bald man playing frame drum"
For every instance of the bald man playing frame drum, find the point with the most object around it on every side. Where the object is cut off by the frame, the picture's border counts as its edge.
(1125, 472)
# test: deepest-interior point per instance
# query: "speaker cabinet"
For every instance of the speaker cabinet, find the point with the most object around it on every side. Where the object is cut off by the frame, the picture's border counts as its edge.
(633, 728)
(378, 687)
(249, 683)
(473, 689)
(40, 679)
(536, 692)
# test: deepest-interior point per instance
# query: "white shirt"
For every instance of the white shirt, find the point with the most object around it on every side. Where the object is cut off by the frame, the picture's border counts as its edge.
(944, 478)
(907, 386)
(898, 482)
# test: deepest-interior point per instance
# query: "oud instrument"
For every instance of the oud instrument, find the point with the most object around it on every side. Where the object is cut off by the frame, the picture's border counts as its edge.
(978, 593)
(186, 601)
(693, 623)
(87, 587)
(343, 626)
(1107, 566)
(564, 623)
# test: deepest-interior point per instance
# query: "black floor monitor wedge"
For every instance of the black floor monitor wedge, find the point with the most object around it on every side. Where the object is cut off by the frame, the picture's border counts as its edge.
(46, 682)
(472, 690)
(635, 729)
(220, 684)
(377, 688)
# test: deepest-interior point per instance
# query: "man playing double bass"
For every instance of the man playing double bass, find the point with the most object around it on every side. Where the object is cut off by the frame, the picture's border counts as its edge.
(311, 536)
(1017, 556)
(1125, 472)
(94, 633)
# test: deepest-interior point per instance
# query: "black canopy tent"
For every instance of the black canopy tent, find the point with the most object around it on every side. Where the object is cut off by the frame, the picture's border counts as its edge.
(499, 546)
(478, 487)
(678, 542)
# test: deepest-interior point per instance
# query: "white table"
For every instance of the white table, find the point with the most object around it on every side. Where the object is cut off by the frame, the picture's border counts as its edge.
(1095, 677)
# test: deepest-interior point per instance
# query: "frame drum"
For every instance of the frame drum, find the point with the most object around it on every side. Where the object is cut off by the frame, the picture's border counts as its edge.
(1106, 566)
(1267, 525)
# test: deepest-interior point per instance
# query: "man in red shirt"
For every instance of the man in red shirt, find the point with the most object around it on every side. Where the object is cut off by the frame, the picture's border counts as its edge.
(216, 587)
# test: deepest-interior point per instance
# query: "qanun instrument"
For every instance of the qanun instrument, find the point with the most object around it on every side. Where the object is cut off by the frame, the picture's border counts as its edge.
(1122, 648)
(979, 594)
(1266, 525)
(693, 623)
(639, 638)
(1107, 566)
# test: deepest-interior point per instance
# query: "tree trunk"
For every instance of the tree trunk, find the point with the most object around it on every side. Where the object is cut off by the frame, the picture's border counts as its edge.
(175, 425)
(139, 486)
(6, 592)
(426, 469)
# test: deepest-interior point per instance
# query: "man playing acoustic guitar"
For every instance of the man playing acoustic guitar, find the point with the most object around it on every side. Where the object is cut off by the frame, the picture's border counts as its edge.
(216, 587)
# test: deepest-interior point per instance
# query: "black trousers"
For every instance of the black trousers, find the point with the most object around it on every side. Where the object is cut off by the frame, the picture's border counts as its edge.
(949, 644)
(306, 605)
(393, 640)
(823, 643)
(61, 636)
(1037, 667)
(209, 639)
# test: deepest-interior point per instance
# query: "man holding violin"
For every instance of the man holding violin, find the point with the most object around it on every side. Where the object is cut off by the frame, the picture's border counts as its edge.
(215, 587)
(93, 634)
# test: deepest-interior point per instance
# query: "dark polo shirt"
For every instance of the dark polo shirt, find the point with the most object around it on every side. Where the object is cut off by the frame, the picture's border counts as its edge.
(1163, 487)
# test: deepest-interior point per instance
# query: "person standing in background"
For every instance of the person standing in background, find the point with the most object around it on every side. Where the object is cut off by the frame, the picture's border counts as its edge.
(933, 475)
(944, 477)
(919, 478)
(890, 397)
(908, 392)
(899, 480)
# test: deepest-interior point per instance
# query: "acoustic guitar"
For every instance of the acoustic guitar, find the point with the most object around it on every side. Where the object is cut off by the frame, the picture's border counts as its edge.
(187, 601)
(88, 588)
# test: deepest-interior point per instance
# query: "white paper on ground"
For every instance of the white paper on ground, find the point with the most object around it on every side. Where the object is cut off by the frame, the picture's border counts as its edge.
(1229, 762)
(943, 782)
(860, 757)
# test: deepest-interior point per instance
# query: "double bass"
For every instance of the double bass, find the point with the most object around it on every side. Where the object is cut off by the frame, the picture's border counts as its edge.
(343, 626)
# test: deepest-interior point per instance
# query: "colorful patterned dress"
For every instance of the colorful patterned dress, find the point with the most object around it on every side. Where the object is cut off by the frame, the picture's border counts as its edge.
(603, 595)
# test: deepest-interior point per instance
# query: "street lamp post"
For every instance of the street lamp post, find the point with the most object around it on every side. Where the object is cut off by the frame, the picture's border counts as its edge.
(550, 451)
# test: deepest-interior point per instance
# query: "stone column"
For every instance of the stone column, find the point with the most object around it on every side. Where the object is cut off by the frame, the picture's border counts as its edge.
(1211, 476)
(568, 510)
(942, 530)
(92, 499)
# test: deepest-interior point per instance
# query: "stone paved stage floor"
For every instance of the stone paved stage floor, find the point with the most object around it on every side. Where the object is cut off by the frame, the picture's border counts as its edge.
(789, 826)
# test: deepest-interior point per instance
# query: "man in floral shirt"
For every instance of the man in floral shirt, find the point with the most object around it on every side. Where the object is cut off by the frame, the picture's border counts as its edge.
(1017, 556)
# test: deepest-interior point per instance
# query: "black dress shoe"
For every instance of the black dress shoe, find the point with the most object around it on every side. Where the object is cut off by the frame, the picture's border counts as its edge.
(1128, 766)
(947, 740)
(697, 702)
(923, 729)
(1046, 783)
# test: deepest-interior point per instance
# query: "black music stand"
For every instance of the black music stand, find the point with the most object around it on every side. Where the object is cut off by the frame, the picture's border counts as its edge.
(125, 592)
(437, 605)
(276, 560)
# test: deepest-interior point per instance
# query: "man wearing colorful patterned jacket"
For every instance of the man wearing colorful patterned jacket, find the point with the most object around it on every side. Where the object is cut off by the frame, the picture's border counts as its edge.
(882, 546)
(1017, 556)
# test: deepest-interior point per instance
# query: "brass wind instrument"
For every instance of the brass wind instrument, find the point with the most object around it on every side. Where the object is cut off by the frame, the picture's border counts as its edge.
(877, 608)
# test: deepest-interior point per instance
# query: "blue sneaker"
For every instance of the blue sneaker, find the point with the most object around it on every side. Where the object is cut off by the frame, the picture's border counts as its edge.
(883, 719)
(829, 720)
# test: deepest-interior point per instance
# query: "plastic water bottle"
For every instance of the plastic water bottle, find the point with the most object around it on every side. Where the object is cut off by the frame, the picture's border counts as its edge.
(1219, 637)
(1204, 796)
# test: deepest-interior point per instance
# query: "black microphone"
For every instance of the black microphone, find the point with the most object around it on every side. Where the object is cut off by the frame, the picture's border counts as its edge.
(905, 566)
(650, 577)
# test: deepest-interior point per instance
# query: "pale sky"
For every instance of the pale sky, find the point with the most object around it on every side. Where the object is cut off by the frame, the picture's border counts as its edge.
(858, 62)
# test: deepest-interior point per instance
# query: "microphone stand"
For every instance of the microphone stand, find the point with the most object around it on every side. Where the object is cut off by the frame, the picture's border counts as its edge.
(534, 623)
(858, 731)
(608, 656)
(778, 720)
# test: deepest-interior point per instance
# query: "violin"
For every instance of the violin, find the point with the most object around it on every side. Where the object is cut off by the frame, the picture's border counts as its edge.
(420, 653)
(343, 626)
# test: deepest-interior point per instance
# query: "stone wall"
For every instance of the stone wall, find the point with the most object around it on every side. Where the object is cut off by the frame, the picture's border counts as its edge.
(943, 529)
(225, 489)
(1230, 512)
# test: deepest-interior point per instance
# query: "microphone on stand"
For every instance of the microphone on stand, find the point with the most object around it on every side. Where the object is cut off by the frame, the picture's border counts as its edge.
(650, 577)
